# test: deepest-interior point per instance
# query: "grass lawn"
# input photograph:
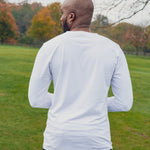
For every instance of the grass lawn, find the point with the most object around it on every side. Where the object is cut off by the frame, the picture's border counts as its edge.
(21, 127)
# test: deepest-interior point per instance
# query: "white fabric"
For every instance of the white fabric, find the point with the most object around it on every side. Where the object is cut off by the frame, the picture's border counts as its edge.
(82, 66)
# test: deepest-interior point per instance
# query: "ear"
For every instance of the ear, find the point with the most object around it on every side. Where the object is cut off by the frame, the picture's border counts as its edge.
(71, 17)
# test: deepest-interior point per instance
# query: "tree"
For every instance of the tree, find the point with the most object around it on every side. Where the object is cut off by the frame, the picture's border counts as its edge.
(130, 37)
(43, 27)
(46, 24)
(55, 12)
(99, 23)
(117, 33)
(148, 34)
(23, 15)
(8, 27)
(137, 37)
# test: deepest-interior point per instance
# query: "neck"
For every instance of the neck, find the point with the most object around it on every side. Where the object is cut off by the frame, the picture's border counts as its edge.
(85, 28)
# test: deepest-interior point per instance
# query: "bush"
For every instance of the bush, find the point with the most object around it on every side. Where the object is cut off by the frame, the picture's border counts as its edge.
(129, 48)
(27, 40)
(148, 45)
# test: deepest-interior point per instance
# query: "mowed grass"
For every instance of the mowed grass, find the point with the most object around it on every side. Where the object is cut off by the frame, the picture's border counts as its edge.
(22, 127)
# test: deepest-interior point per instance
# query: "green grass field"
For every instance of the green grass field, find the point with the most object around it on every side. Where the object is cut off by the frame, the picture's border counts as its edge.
(21, 127)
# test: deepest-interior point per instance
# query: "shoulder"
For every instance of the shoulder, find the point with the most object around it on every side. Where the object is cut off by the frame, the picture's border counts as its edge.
(55, 41)
(110, 44)
(52, 44)
(107, 41)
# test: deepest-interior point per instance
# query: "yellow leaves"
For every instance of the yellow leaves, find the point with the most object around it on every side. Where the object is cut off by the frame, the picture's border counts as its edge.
(45, 24)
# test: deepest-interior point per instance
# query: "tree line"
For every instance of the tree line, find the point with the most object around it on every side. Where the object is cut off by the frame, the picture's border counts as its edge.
(132, 39)
(33, 24)
(29, 24)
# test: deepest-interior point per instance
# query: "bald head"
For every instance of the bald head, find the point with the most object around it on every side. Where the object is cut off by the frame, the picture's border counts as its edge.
(77, 12)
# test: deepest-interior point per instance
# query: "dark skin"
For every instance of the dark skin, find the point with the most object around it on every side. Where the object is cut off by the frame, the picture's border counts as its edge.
(77, 15)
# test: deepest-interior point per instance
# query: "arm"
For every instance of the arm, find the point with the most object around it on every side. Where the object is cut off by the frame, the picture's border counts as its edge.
(40, 80)
(121, 87)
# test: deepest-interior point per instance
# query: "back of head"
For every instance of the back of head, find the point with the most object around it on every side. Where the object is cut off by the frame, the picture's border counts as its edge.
(82, 9)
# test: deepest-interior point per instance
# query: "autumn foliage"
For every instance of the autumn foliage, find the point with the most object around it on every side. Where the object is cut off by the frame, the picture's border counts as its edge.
(37, 24)
(8, 27)
(46, 25)
(132, 39)
(23, 15)
(55, 12)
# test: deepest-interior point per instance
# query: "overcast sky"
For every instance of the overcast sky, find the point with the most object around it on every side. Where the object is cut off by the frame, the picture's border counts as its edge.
(142, 18)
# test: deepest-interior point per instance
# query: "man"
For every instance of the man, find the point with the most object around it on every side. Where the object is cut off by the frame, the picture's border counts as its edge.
(82, 66)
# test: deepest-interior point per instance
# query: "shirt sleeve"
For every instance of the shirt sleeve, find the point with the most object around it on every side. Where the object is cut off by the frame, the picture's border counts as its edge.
(121, 86)
(40, 81)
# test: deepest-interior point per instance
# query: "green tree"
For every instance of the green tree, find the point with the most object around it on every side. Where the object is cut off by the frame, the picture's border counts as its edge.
(55, 12)
(100, 21)
(100, 25)
(23, 15)
(8, 28)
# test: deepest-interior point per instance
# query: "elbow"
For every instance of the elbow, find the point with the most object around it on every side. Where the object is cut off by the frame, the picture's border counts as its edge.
(128, 106)
(32, 104)
(32, 100)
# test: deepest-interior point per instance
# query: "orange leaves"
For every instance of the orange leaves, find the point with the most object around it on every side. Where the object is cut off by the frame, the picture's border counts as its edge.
(8, 27)
(44, 26)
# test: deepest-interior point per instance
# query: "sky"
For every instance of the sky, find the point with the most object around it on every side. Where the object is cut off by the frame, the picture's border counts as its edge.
(142, 18)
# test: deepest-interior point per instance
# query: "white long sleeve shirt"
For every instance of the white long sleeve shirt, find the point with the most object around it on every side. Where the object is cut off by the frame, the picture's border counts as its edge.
(82, 66)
